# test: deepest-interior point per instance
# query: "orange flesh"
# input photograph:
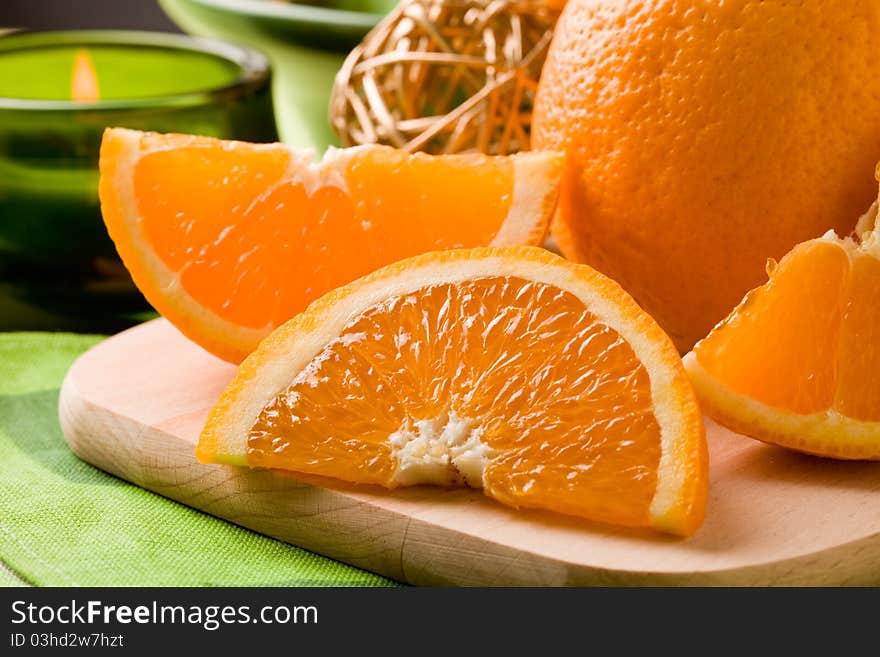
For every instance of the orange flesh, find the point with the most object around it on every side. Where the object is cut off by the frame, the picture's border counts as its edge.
(255, 247)
(807, 341)
(423, 194)
(559, 398)
(858, 385)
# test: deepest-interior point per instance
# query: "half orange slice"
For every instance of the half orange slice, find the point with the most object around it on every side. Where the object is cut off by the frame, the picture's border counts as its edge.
(797, 363)
(507, 369)
(228, 239)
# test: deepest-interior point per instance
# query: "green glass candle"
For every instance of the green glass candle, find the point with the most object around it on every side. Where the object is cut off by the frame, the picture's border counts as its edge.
(57, 264)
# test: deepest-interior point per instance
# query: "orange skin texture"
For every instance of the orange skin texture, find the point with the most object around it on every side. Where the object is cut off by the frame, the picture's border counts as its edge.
(704, 137)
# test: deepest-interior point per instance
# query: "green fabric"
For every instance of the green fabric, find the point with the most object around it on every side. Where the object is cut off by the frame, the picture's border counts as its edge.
(9, 579)
(65, 523)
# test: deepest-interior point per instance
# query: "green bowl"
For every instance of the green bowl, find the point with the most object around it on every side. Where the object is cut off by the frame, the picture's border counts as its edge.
(306, 43)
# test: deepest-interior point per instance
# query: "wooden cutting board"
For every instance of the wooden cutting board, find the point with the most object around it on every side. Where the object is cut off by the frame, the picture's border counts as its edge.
(134, 406)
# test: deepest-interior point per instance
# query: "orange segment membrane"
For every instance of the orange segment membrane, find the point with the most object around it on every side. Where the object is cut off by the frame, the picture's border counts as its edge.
(808, 341)
(258, 247)
(194, 228)
(419, 204)
(858, 384)
(551, 404)
(786, 334)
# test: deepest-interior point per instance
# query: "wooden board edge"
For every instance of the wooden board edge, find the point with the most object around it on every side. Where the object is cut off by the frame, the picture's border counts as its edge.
(404, 547)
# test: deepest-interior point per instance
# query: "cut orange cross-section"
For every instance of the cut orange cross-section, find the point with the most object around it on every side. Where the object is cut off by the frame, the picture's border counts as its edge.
(229, 239)
(507, 369)
(797, 363)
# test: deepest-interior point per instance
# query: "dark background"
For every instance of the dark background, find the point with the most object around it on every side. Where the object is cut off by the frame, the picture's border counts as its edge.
(84, 14)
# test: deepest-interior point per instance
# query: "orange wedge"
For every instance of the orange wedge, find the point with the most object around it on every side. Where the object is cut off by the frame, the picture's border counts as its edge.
(797, 363)
(228, 239)
(507, 369)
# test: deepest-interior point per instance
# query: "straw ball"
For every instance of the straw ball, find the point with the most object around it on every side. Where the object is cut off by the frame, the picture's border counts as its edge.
(446, 76)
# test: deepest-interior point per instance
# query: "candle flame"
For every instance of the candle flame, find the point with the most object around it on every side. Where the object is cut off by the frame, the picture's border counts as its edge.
(84, 80)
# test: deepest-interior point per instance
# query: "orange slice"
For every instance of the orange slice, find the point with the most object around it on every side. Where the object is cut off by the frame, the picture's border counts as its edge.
(507, 369)
(228, 239)
(797, 363)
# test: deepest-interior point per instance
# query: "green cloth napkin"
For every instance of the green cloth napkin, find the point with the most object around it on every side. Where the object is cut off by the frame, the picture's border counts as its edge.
(65, 523)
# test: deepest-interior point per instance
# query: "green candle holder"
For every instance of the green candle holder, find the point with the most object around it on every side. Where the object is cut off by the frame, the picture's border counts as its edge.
(58, 267)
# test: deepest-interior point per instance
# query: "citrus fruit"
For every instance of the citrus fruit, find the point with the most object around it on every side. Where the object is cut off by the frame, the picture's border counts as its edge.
(705, 137)
(507, 369)
(797, 363)
(229, 239)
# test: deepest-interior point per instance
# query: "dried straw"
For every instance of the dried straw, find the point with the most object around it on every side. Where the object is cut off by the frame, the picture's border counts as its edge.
(445, 76)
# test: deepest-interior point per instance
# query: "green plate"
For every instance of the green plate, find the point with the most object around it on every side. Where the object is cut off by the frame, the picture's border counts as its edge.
(306, 43)
(328, 26)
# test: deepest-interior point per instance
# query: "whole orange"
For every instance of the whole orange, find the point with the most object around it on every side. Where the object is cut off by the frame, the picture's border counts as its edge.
(704, 137)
